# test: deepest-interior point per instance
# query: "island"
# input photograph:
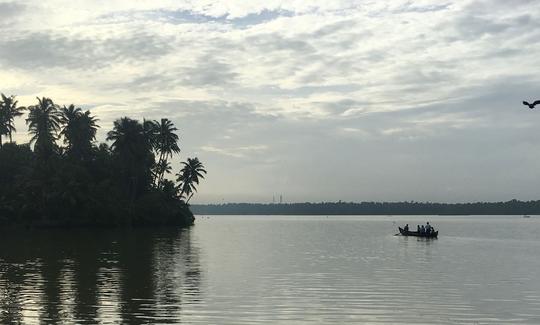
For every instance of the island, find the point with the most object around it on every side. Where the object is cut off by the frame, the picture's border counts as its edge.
(63, 178)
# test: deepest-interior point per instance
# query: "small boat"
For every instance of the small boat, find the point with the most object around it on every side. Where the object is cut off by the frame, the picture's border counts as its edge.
(526, 216)
(417, 234)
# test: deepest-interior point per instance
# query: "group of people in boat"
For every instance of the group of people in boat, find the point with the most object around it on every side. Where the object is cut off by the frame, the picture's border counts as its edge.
(421, 229)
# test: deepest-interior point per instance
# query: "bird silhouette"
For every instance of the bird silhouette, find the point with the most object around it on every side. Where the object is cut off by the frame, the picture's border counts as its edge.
(531, 106)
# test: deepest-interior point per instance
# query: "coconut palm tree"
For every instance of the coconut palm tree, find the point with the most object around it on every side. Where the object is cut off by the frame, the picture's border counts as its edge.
(132, 147)
(189, 175)
(43, 124)
(3, 126)
(8, 111)
(151, 132)
(129, 139)
(166, 144)
(169, 189)
(160, 168)
(79, 131)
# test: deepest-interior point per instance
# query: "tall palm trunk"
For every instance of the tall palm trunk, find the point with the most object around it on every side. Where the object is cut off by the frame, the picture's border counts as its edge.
(182, 192)
(162, 174)
(160, 163)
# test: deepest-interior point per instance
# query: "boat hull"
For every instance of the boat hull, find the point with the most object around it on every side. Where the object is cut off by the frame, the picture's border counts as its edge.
(416, 234)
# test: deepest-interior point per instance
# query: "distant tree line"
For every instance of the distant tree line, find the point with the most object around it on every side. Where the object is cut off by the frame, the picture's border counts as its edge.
(372, 208)
(62, 177)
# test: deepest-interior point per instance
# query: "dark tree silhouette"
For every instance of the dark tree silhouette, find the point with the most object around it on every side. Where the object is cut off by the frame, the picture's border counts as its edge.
(159, 170)
(79, 131)
(78, 183)
(130, 141)
(132, 144)
(8, 112)
(43, 124)
(190, 174)
(513, 207)
(166, 145)
(150, 130)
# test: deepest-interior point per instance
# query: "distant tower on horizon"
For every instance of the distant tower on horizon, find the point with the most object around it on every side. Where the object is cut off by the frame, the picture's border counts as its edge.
(273, 199)
(280, 198)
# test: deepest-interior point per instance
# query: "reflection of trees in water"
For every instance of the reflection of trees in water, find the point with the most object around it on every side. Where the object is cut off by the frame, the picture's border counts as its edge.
(51, 270)
(177, 274)
(11, 304)
(86, 264)
(134, 277)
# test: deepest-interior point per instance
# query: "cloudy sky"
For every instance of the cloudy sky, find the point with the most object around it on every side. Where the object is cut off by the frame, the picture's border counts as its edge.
(320, 100)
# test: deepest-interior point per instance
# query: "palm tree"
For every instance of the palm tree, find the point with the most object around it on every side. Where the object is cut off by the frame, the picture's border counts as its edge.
(43, 123)
(169, 189)
(161, 168)
(79, 131)
(151, 129)
(132, 146)
(3, 126)
(129, 139)
(166, 143)
(189, 175)
(134, 151)
(8, 111)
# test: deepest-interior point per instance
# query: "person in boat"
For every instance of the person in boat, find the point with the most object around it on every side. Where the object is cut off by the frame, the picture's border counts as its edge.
(406, 228)
(422, 230)
(418, 228)
(429, 229)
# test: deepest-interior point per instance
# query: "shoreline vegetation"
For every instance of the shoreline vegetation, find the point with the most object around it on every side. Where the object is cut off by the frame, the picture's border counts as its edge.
(512, 207)
(64, 178)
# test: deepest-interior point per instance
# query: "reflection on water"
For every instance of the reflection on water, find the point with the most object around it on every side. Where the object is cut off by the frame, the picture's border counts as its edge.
(135, 277)
(277, 270)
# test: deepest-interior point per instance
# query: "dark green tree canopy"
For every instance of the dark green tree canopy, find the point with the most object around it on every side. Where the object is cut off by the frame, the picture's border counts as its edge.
(9, 110)
(43, 124)
(68, 179)
(79, 131)
(190, 176)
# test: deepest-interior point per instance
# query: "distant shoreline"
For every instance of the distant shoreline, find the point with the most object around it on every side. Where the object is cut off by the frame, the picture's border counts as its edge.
(512, 207)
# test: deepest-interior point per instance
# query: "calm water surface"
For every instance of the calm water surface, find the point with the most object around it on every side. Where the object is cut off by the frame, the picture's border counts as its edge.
(277, 270)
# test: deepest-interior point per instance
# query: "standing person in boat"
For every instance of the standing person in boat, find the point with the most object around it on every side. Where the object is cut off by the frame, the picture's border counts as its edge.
(422, 230)
(428, 228)
(406, 228)
(418, 229)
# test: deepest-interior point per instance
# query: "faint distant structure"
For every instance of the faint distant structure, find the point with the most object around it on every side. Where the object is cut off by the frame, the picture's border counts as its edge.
(273, 199)
(280, 198)
(531, 106)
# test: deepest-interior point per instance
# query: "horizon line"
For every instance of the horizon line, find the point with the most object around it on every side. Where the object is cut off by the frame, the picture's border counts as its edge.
(361, 202)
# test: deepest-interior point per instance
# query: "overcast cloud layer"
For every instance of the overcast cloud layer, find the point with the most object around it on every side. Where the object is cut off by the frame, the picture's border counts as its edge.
(317, 100)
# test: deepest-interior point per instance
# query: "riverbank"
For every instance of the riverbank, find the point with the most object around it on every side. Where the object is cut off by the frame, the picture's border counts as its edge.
(512, 207)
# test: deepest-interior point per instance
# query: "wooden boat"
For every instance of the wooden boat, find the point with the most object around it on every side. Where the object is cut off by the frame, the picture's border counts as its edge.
(417, 234)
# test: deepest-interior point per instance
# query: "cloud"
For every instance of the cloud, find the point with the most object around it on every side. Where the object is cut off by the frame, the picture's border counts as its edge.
(409, 7)
(391, 92)
(9, 11)
(236, 152)
(208, 72)
(51, 50)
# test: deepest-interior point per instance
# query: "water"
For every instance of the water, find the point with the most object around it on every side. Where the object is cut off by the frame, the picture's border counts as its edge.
(277, 270)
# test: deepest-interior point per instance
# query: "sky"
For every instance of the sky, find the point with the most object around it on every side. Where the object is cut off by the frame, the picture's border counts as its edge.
(313, 100)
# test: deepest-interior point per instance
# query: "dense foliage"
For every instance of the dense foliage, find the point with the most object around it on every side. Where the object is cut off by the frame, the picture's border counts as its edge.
(63, 178)
(374, 208)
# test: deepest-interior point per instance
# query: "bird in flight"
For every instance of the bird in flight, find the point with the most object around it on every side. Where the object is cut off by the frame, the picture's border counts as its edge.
(531, 106)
